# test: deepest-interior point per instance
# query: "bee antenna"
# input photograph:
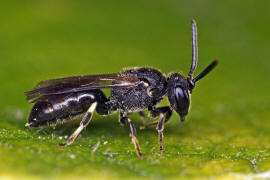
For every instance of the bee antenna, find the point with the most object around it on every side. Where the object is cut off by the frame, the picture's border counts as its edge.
(205, 71)
(194, 50)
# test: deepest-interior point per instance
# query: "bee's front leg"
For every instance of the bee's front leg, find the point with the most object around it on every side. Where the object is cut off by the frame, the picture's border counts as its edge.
(165, 114)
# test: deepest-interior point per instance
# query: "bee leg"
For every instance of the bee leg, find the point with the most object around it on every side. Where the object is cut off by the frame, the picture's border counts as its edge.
(160, 124)
(143, 115)
(160, 128)
(85, 121)
(148, 125)
(134, 140)
(156, 112)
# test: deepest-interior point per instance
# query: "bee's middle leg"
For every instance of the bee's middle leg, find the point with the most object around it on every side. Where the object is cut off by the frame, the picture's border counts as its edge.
(126, 120)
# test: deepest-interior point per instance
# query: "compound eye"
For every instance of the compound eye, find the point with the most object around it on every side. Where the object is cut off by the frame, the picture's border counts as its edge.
(179, 100)
(182, 102)
(181, 96)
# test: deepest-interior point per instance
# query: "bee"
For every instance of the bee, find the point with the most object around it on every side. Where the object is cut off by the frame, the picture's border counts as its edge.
(132, 90)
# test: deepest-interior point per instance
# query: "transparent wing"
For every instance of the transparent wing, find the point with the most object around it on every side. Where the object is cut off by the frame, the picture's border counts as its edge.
(80, 83)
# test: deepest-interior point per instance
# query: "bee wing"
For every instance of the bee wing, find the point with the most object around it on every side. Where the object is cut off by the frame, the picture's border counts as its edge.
(80, 83)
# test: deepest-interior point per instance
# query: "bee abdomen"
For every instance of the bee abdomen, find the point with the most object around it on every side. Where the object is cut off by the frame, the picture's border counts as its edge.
(52, 109)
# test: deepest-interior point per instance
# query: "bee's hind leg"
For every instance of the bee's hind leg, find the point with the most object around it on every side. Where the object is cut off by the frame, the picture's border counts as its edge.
(85, 121)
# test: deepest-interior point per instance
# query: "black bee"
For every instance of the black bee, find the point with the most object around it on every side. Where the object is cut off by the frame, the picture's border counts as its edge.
(132, 90)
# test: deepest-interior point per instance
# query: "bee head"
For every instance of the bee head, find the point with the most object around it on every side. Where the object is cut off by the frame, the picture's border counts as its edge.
(179, 94)
(179, 87)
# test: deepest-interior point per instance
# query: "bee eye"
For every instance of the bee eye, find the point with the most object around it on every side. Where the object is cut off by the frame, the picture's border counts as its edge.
(179, 100)
(181, 95)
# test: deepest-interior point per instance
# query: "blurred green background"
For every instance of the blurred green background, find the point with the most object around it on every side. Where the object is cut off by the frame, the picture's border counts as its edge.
(227, 133)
